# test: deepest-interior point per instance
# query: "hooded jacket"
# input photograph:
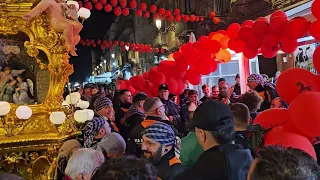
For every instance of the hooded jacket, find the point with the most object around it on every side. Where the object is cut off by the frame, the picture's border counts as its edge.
(222, 162)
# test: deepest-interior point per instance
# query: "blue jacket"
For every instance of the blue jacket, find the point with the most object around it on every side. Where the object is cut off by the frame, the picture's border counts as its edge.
(172, 109)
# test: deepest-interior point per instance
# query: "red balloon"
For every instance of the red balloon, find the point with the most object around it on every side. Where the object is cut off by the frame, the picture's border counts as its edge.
(315, 9)
(108, 8)
(254, 43)
(181, 87)
(271, 40)
(293, 81)
(80, 4)
(288, 45)
(278, 13)
(168, 13)
(296, 28)
(157, 78)
(164, 67)
(117, 11)
(316, 59)
(98, 6)
(146, 14)
(269, 52)
(161, 11)
(170, 18)
(287, 139)
(123, 85)
(176, 11)
(248, 53)
(178, 18)
(138, 13)
(247, 23)
(186, 18)
(88, 5)
(145, 75)
(304, 113)
(232, 31)
(125, 12)
(132, 90)
(272, 118)
(245, 33)
(190, 56)
(277, 24)
(192, 18)
(154, 69)
(193, 77)
(261, 27)
(212, 14)
(155, 16)
(153, 8)
(143, 6)
(123, 3)
(236, 45)
(137, 82)
(314, 29)
(172, 85)
(113, 3)
(98, 41)
(133, 4)
(94, 45)
(214, 46)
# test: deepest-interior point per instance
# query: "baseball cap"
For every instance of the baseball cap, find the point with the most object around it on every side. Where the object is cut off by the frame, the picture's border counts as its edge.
(163, 87)
(139, 97)
(213, 115)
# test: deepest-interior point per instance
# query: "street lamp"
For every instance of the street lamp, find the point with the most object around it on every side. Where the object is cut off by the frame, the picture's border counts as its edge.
(158, 24)
(127, 47)
(112, 55)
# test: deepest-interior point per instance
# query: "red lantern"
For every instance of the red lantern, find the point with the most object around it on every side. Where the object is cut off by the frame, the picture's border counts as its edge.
(156, 50)
(153, 8)
(212, 14)
(232, 31)
(178, 18)
(289, 88)
(176, 11)
(216, 20)
(192, 18)
(123, 3)
(186, 18)
(138, 13)
(80, 4)
(316, 59)
(125, 12)
(315, 9)
(248, 53)
(193, 77)
(261, 27)
(94, 1)
(161, 11)
(288, 45)
(94, 45)
(170, 18)
(133, 4)
(162, 50)
(197, 19)
(143, 6)
(127, 44)
(121, 43)
(114, 3)
(247, 23)
(108, 8)
(304, 114)
(88, 5)
(116, 43)
(314, 29)
(296, 28)
(155, 16)
(91, 41)
(168, 13)
(117, 11)
(103, 2)
(110, 42)
(104, 43)
(102, 47)
(98, 41)
(146, 14)
(182, 16)
(201, 19)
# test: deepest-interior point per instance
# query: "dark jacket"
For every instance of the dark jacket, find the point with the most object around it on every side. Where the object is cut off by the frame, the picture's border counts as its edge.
(237, 89)
(131, 118)
(253, 116)
(205, 98)
(222, 162)
(169, 166)
(172, 109)
(267, 94)
(134, 140)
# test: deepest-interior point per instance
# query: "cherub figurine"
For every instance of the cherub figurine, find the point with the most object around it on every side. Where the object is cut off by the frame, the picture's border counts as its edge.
(60, 21)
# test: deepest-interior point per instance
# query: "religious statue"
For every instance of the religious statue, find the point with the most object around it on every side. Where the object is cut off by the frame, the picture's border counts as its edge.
(21, 96)
(7, 91)
(7, 75)
(63, 18)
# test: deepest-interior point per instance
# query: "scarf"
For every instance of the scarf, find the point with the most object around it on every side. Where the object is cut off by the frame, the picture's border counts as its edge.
(132, 111)
(258, 78)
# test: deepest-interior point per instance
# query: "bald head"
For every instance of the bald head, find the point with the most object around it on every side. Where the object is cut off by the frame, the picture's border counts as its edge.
(151, 104)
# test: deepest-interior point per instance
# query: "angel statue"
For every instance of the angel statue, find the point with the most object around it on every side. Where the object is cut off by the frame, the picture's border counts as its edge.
(63, 18)
(21, 96)
(7, 75)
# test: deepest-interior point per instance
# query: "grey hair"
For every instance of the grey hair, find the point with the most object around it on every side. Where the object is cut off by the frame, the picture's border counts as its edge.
(83, 161)
(149, 103)
(10, 176)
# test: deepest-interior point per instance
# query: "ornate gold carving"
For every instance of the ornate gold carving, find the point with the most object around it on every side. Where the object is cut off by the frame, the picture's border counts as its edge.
(29, 147)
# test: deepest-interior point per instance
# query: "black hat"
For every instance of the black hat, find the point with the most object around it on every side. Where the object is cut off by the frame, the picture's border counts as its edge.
(140, 97)
(213, 115)
(163, 87)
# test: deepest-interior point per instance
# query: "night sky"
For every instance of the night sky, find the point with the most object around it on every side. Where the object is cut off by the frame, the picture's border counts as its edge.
(93, 28)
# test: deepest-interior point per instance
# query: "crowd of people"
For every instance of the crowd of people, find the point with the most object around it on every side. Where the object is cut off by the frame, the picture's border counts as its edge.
(152, 138)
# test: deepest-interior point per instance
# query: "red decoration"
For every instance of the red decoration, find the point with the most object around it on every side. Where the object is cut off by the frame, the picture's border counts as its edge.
(181, 86)
(102, 47)
(224, 42)
(272, 117)
(314, 29)
(216, 20)
(138, 13)
(277, 24)
(103, 2)
(186, 18)
(153, 8)
(123, 3)
(192, 17)
(143, 6)
(172, 85)
(137, 82)
(156, 16)
(110, 42)
(108, 8)
(116, 43)
(94, 1)
(193, 77)
(316, 59)
(176, 11)
(156, 50)
(157, 78)
(232, 31)
(278, 14)
(289, 88)
(94, 45)
(261, 27)
(296, 28)
(286, 139)
(201, 19)
(163, 17)
(146, 14)
(178, 18)
(98, 41)
(117, 11)
(168, 13)
(88, 5)
(127, 44)
(271, 40)
(170, 18)
(125, 12)
(212, 14)
(248, 53)
(80, 4)
(288, 45)
(315, 9)
(236, 45)
(98, 6)
(254, 43)
(161, 11)
(269, 52)
(162, 50)
(113, 3)
(304, 114)
(121, 43)
(133, 4)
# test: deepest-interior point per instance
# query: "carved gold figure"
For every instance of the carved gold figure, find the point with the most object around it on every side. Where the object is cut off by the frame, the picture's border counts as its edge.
(57, 10)
(29, 147)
